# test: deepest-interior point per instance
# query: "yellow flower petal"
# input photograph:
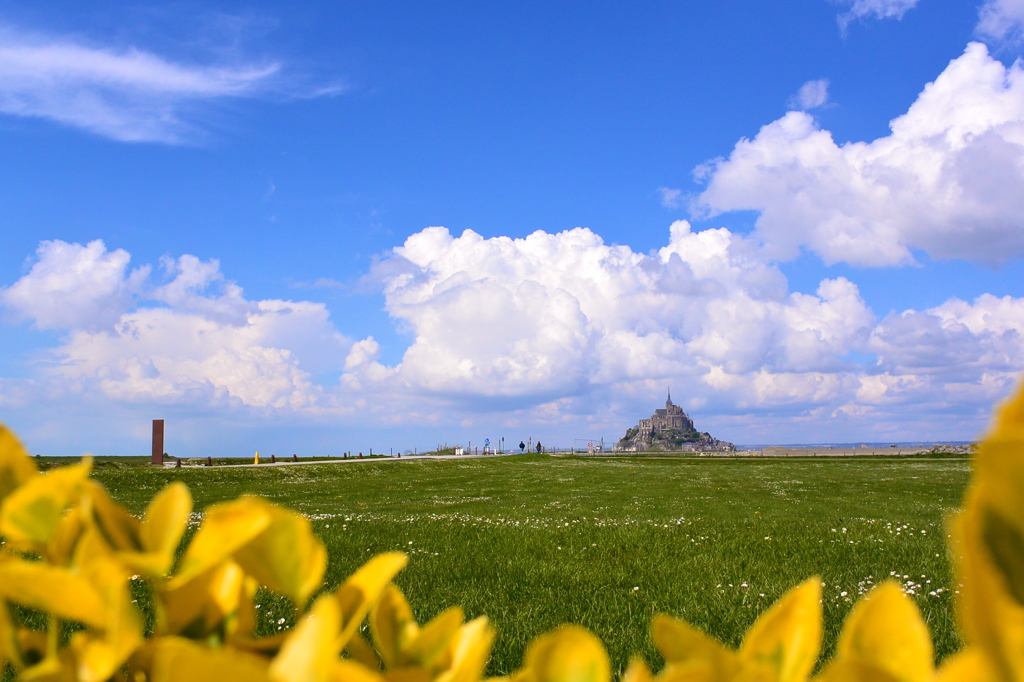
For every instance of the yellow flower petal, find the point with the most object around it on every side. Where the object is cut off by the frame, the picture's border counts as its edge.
(119, 528)
(392, 626)
(164, 523)
(637, 671)
(683, 644)
(408, 674)
(310, 651)
(8, 642)
(60, 591)
(66, 536)
(855, 671)
(31, 513)
(362, 589)
(246, 619)
(885, 631)
(225, 528)
(286, 556)
(175, 659)
(56, 667)
(568, 654)
(358, 649)
(786, 638)
(969, 665)
(351, 671)
(999, 473)
(98, 656)
(16, 467)
(470, 650)
(201, 605)
(434, 638)
(991, 616)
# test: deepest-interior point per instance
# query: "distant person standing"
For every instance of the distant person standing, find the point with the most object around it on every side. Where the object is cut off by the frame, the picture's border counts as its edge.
(522, 446)
(538, 447)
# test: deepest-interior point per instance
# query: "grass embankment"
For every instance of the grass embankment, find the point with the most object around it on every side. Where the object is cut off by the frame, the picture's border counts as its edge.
(533, 541)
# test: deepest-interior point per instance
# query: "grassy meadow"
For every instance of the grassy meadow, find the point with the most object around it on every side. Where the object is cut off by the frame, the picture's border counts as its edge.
(534, 541)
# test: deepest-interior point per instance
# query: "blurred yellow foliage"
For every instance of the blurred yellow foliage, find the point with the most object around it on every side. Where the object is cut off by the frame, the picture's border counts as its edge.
(71, 553)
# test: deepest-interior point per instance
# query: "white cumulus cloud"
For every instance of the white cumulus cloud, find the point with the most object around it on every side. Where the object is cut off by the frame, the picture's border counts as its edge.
(71, 285)
(948, 181)
(554, 314)
(194, 339)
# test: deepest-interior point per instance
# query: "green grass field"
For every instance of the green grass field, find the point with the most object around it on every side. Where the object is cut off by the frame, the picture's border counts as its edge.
(533, 541)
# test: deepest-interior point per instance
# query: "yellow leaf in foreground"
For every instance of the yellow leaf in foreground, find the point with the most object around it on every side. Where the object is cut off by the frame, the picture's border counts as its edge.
(119, 528)
(66, 536)
(57, 666)
(311, 649)
(350, 671)
(30, 514)
(392, 626)
(60, 591)
(991, 616)
(470, 650)
(637, 671)
(16, 467)
(567, 654)
(432, 641)
(999, 477)
(226, 527)
(286, 555)
(685, 647)
(166, 518)
(358, 649)
(361, 590)
(969, 665)
(175, 659)
(786, 638)
(883, 638)
(201, 605)
(99, 656)
(162, 527)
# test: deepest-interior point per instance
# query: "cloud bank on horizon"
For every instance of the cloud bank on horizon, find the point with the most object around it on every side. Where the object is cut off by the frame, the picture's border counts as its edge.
(536, 327)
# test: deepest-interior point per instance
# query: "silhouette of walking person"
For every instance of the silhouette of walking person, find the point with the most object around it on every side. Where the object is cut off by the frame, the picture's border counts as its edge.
(522, 446)
(538, 447)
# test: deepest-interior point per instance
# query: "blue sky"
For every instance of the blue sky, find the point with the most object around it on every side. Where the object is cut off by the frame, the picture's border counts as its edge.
(804, 217)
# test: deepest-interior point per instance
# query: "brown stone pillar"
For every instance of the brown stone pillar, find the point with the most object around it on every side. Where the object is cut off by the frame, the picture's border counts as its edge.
(158, 442)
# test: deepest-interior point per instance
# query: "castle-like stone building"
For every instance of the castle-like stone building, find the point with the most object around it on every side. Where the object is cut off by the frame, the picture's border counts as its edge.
(671, 418)
(670, 429)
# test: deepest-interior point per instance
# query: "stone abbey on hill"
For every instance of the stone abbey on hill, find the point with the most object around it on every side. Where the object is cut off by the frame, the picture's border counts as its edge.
(670, 429)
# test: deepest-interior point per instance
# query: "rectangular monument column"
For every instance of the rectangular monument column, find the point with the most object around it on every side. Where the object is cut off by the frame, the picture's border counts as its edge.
(158, 441)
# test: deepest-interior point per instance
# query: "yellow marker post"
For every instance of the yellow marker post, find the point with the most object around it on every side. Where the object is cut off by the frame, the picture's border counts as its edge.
(256, 460)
